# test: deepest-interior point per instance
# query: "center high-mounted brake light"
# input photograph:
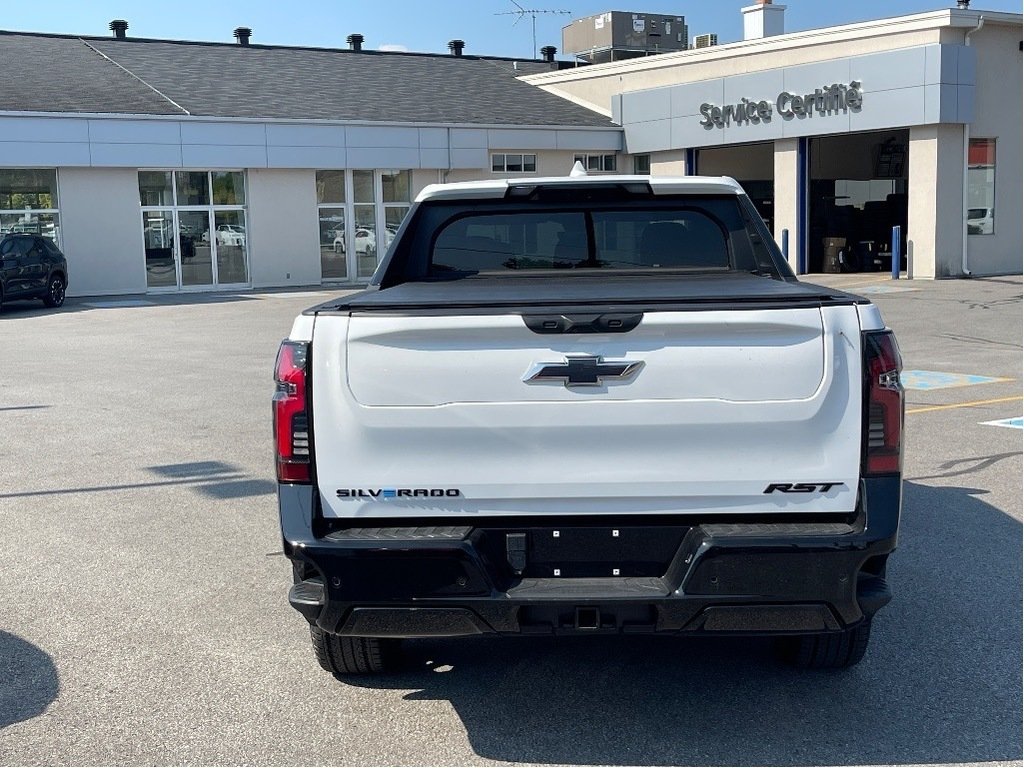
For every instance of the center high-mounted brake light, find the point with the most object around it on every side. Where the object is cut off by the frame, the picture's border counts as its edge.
(291, 418)
(883, 404)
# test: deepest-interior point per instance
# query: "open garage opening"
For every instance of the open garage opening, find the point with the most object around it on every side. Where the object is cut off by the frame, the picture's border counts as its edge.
(752, 165)
(857, 194)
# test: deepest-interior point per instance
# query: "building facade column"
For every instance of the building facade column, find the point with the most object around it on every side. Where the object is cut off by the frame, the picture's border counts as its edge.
(670, 163)
(786, 195)
(935, 212)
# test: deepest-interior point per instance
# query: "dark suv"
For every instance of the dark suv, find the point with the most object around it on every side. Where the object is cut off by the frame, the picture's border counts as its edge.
(32, 267)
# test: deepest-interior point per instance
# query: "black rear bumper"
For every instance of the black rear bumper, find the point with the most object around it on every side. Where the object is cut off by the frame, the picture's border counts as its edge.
(592, 576)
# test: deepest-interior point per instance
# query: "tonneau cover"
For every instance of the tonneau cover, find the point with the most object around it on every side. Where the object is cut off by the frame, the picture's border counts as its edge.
(733, 290)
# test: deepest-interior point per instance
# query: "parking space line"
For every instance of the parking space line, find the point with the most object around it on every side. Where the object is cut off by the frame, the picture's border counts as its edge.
(1015, 423)
(966, 405)
(926, 380)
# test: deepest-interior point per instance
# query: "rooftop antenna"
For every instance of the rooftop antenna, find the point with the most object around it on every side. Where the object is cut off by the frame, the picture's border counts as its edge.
(521, 12)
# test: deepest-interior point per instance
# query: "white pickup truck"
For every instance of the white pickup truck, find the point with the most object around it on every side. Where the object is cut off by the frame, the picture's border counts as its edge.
(588, 405)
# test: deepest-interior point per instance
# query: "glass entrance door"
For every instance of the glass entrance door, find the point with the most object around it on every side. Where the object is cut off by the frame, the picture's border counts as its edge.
(161, 251)
(194, 229)
(195, 248)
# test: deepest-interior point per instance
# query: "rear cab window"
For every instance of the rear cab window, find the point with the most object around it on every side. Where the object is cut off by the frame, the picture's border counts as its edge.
(687, 233)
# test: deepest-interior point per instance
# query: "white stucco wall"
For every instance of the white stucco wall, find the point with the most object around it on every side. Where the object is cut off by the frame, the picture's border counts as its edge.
(999, 116)
(669, 163)
(786, 183)
(935, 201)
(101, 230)
(284, 246)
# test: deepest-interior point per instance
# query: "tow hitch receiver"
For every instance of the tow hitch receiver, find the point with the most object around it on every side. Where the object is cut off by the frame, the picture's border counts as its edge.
(588, 618)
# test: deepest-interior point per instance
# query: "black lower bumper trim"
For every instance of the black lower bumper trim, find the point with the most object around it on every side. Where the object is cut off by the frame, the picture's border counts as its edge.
(682, 576)
(766, 618)
(412, 622)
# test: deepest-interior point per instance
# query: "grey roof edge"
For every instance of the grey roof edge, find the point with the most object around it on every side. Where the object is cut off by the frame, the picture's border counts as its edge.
(268, 46)
(310, 121)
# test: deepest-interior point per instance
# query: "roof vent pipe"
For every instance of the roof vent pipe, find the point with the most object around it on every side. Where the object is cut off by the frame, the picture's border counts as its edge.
(119, 27)
(456, 46)
(355, 41)
(242, 35)
(548, 52)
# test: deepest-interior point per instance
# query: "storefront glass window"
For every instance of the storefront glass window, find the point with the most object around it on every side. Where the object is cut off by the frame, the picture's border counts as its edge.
(981, 187)
(193, 187)
(362, 186)
(330, 186)
(156, 188)
(193, 238)
(355, 235)
(28, 202)
(395, 186)
(228, 188)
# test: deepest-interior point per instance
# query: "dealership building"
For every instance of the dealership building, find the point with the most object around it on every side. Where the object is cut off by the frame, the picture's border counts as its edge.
(167, 166)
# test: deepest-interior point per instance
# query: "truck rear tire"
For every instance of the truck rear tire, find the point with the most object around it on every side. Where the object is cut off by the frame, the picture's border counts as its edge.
(345, 656)
(832, 651)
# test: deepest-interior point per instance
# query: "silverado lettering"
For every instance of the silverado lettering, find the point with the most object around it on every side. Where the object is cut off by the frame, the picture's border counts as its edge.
(388, 493)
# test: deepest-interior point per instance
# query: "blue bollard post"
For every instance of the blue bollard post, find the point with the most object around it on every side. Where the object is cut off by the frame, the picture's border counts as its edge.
(785, 243)
(896, 253)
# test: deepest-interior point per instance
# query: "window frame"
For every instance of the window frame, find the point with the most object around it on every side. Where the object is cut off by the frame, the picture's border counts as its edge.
(380, 219)
(211, 209)
(993, 141)
(504, 162)
(601, 162)
(54, 211)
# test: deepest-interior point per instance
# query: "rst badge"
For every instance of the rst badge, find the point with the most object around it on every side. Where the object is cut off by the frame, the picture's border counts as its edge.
(802, 487)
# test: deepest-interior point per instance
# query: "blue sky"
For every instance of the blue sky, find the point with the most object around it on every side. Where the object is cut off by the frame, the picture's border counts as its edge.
(422, 25)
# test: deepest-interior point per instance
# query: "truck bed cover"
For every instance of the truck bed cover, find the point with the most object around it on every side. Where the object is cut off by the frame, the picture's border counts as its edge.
(699, 291)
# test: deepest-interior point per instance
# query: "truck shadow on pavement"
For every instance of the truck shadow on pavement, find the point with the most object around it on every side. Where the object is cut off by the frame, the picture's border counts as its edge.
(211, 478)
(941, 682)
(28, 680)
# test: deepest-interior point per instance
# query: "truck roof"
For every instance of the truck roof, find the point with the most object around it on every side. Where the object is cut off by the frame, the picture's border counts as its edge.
(659, 185)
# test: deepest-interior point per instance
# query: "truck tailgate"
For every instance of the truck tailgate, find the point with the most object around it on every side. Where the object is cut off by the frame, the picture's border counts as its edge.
(427, 414)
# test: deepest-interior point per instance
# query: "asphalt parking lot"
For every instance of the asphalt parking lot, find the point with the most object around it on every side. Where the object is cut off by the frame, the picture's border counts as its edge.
(143, 617)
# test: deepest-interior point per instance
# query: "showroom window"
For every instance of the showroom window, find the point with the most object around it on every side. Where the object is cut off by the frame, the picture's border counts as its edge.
(330, 203)
(596, 162)
(194, 229)
(513, 163)
(981, 187)
(28, 202)
(359, 213)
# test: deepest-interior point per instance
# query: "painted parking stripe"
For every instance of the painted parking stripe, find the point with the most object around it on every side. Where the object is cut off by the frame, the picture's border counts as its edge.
(942, 380)
(1015, 423)
(119, 304)
(971, 404)
(887, 289)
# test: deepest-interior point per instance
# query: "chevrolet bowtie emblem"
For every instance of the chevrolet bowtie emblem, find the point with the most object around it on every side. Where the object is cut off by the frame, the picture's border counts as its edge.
(583, 371)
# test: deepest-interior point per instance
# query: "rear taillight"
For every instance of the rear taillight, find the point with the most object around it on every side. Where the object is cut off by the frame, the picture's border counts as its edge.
(291, 417)
(883, 404)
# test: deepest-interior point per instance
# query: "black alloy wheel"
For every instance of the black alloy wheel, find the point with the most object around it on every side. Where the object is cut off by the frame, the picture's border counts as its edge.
(55, 292)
